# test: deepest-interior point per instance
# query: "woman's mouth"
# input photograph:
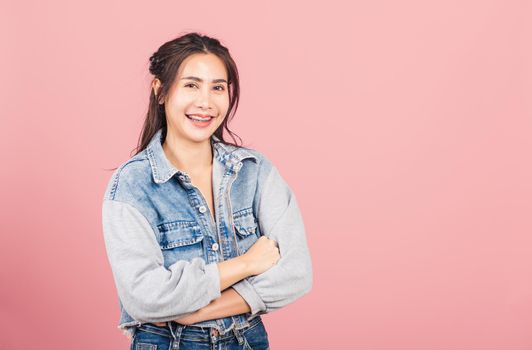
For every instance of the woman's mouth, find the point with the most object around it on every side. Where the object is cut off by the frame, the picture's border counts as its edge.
(200, 120)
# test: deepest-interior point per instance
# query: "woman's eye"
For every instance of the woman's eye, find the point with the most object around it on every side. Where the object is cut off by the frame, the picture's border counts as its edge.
(219, 87)
(187, 85)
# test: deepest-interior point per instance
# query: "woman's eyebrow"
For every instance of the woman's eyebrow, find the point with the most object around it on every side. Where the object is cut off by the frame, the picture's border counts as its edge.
(201, 80)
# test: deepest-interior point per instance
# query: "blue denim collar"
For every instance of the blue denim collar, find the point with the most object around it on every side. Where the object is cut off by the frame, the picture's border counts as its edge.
(228, 155)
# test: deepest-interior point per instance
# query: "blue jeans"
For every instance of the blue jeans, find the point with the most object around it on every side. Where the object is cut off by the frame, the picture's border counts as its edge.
(175, 336)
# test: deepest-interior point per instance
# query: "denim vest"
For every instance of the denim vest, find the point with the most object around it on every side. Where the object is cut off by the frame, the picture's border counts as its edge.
(180, 216)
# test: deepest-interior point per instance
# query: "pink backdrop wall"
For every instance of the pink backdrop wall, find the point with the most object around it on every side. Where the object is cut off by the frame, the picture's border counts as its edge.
(404, 129)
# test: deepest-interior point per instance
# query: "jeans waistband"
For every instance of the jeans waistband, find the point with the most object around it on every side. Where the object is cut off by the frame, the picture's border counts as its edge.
(174, 330)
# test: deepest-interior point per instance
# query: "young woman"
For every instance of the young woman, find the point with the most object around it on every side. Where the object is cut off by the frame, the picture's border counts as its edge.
(203, 236)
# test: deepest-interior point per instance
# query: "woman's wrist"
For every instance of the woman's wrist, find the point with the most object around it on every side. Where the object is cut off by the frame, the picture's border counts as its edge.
(233, 270)
(246, 265)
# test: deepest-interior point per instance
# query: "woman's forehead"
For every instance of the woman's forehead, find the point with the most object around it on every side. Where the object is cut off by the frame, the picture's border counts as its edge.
(203, 67)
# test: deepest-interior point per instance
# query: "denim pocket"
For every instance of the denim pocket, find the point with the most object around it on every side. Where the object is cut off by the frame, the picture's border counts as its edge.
(151, 337)
(256, 337)
(246, 228)
(180, 240)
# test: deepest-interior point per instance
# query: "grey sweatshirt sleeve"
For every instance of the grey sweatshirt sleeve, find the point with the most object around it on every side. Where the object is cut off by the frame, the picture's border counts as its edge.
(149, 292)
(280, 219)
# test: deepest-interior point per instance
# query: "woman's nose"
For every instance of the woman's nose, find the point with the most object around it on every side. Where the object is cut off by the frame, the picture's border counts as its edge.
(203, 99)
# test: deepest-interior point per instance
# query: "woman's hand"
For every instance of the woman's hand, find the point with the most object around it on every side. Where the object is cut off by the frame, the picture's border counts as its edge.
(262, 255)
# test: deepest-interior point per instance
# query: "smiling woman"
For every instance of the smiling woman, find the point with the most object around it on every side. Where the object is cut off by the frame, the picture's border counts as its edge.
(198, 101)
(202, 235)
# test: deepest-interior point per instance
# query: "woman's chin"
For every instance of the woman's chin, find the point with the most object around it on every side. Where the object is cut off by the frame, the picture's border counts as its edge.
(199, 136)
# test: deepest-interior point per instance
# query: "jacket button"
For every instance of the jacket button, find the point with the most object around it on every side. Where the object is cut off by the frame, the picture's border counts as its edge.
(202, 209)
(215, 246)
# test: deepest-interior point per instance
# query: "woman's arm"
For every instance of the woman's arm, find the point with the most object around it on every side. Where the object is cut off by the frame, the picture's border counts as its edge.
(229, 304)
(259, 258)
(233, 270)
(149, 291)
(289, 279)
(280, 219)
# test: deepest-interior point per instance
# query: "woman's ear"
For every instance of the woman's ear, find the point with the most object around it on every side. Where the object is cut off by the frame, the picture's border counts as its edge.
(156, 85)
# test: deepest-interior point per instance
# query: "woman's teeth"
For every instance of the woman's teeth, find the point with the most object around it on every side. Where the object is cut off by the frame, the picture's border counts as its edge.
(198, 118)
(200, 122)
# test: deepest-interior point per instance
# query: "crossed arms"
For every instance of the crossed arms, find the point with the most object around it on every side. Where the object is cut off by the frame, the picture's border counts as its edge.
(193, 291)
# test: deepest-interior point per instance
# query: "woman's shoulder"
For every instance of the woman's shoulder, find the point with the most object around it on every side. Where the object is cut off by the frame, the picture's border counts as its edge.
(132, 173)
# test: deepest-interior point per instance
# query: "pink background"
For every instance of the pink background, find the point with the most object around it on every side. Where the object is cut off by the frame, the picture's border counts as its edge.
(404, 128)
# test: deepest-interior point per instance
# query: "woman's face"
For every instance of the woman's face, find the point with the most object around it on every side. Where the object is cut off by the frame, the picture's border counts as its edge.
(199, 91)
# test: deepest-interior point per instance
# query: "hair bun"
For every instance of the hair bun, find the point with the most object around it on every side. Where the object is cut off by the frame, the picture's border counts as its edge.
(155, 64)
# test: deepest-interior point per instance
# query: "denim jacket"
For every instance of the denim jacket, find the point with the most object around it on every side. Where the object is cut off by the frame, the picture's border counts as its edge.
(163, 245)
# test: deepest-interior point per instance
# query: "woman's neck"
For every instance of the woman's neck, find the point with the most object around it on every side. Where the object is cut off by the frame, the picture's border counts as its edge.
(191, 158)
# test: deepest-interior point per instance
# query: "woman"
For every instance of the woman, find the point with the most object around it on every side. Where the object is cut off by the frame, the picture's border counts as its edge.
(203, 236)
